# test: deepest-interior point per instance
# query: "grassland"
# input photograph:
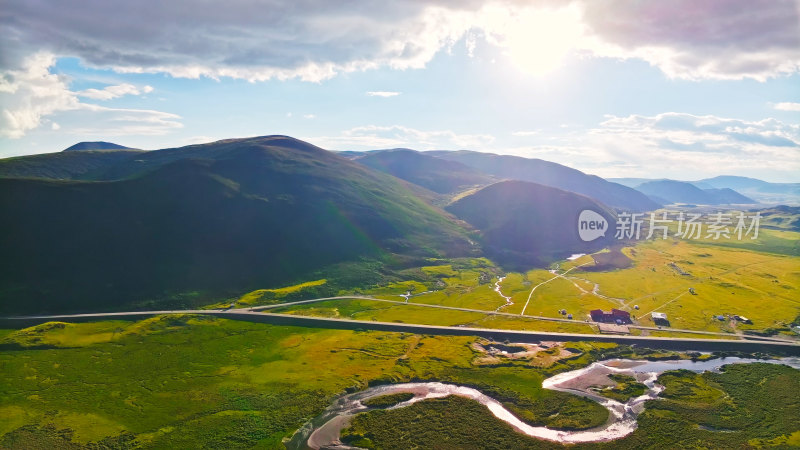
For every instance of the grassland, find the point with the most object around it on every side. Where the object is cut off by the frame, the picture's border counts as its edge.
(761, 286)
(269, 296)
(753, 405)
(627, 388)
(360, 309)
(189, 382)
(757, 279)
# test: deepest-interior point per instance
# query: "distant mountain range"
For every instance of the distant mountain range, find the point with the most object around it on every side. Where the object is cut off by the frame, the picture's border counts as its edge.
(555, 175)
(754, 189)
(670, 191)
(102, 226)
(475, 168)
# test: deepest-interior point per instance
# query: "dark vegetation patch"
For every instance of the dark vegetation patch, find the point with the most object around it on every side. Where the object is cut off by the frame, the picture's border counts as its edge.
(627, 388)
(383, 401)
(447, 423)
(750, 402)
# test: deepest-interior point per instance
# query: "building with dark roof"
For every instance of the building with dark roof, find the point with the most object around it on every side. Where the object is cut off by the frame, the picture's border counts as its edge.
(614, 316)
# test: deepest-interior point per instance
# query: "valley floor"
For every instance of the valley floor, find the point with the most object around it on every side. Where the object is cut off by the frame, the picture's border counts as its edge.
(192, 381)
(200, 380)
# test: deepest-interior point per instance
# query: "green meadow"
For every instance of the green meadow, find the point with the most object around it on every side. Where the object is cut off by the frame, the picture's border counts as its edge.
(190, 382)
(745, 406)
(759, 280)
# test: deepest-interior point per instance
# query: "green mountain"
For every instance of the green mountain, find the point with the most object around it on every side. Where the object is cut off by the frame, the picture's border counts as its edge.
(72, 165)
(211, 220)
(682, 192)
(554, 175)
(526, 224)
(438, 175)
(99, 145)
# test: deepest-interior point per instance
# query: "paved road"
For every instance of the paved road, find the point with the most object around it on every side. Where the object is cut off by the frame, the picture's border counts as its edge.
(255, 315)
(512, 315)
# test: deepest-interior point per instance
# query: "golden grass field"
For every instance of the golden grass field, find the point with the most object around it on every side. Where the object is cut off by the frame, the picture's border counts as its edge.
(754, 279)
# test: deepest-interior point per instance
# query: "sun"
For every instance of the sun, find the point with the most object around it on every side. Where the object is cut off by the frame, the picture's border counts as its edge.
(538, 40)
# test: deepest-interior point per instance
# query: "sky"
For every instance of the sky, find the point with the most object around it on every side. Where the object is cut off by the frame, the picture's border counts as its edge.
(685, 89)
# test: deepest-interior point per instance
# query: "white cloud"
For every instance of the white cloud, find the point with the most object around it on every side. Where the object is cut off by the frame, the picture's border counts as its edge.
(315, 40)
(679, 145)
(383, 93)
(30, 94)
(199, 140)
(375, 137)
(711, 39)
(682, 131)
(109, 92)
(525, 133)
(787, 106)
(123, 122)
(115, 91)
(309, 116)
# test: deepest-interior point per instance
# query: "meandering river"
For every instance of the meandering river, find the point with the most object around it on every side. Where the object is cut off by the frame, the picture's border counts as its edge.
(324, 430)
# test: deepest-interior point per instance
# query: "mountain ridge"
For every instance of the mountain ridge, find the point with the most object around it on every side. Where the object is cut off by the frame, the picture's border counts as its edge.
(217, 219)
(439, 175)
(552, 174)
(96, 145)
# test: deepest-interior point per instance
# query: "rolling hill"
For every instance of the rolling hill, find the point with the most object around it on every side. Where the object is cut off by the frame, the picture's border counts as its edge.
(99, 145)
(526, 224)
(683, 192)
(206, 221)
(554, 175)
(438, 175)
(65, 165)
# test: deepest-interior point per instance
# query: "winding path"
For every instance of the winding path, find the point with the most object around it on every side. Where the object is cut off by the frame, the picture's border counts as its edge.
(557, 275)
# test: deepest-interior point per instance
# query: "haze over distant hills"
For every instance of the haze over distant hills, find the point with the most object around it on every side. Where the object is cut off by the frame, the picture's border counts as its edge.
(670, 191)
(436, 174)
(752, 188)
